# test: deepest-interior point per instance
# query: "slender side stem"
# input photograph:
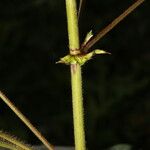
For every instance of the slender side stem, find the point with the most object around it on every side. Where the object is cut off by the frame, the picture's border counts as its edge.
(25, 121)
(110, 26)
(81, 5)
(76, 76)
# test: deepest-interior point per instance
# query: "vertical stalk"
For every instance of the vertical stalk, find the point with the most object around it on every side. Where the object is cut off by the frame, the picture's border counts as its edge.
(78, 111)
(76, 76)
(73, 31)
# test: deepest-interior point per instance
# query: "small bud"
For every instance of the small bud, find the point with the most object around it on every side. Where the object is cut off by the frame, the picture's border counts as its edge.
(88, 37)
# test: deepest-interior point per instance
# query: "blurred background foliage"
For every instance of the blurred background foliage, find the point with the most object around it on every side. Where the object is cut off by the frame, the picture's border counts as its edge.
(33, 36)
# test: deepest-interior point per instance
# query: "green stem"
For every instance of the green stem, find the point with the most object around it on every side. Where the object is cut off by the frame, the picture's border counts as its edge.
(78, 111)
(73, 31)
(76, 76)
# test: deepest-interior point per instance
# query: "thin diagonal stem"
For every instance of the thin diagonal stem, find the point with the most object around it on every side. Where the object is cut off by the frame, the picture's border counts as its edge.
(25, 121)
(109, 27)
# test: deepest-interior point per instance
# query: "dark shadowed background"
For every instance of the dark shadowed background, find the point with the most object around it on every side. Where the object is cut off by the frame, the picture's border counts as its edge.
(33, 36)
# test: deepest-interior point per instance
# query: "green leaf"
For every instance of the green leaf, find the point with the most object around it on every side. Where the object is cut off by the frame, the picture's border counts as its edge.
(80, 59)
(66, 60)
(89, 56)
(99, 51)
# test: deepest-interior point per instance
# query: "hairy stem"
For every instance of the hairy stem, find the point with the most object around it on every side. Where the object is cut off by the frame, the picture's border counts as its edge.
(7, 146)
(76, 76)
(25, 121)
(78, 111)
(11, 142)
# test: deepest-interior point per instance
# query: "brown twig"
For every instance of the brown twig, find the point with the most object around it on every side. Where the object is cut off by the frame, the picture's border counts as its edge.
(93, 40)
(81, 5)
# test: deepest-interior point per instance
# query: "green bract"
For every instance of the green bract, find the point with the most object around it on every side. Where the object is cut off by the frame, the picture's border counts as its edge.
(80, 59)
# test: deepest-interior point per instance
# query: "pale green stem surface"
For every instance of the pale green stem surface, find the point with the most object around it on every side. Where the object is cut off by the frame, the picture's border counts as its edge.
(73, 31)
(78, 111)
(76, 76)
